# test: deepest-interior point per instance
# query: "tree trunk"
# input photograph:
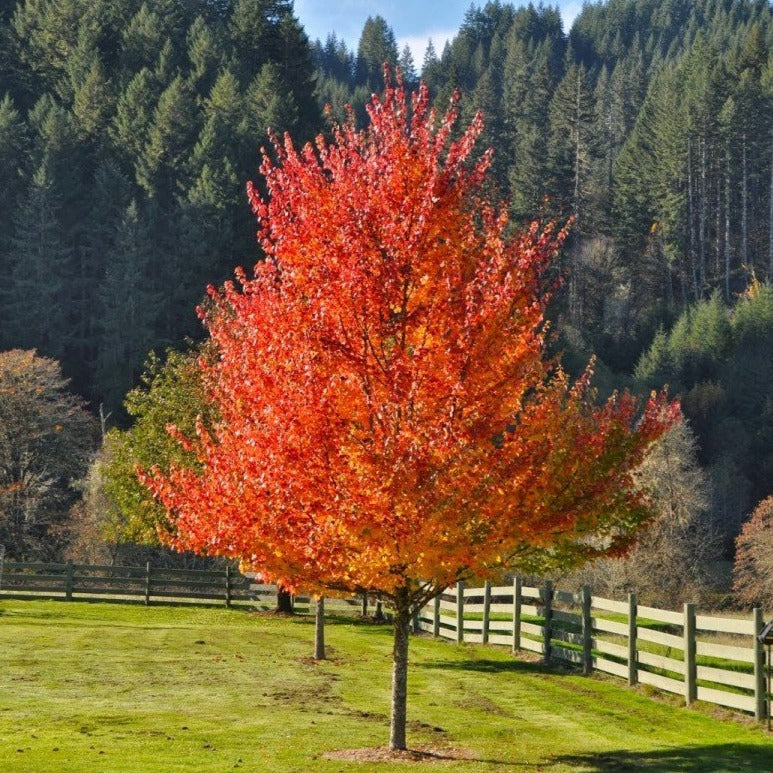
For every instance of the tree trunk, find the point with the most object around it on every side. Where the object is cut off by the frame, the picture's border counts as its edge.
(692, 261)
(770, 223)
(402, 623)
(702, 218)
(575, 309)
(319, 629)
(718, 228)
(284, 601)
(727, 225)
(744, 207)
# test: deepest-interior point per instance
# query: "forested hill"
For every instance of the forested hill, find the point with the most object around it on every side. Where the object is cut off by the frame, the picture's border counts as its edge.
(129, 127)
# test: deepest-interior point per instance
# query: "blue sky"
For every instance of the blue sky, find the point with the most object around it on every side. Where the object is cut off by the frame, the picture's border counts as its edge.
(414, 21)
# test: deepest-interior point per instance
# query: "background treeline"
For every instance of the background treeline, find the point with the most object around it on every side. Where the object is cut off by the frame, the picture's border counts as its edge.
(128, 130)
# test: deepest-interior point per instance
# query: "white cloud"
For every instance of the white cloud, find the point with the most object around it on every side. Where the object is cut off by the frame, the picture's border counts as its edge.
(418, 44)
(569, 12)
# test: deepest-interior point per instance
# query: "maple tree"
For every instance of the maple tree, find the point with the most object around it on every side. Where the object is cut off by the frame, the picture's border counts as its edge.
(389, 420)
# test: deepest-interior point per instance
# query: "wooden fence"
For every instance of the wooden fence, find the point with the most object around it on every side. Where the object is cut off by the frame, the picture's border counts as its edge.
(148, 584)
(699, 657)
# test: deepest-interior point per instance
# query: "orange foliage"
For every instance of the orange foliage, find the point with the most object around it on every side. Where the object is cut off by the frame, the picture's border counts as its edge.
(390, 421)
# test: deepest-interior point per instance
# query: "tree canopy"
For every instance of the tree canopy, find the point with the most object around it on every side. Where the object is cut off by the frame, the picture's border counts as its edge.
(389, 420)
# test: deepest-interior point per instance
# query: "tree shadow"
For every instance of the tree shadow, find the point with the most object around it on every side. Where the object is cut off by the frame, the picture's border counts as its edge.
(696, 759)
(488, 666)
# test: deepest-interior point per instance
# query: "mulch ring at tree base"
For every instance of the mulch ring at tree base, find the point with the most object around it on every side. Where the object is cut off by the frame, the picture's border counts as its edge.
(416, 754)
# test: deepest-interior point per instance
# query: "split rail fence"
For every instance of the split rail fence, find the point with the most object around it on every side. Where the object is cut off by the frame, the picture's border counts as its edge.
(699, 657)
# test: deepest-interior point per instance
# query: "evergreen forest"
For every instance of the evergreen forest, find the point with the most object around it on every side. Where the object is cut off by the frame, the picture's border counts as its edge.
(129, 128)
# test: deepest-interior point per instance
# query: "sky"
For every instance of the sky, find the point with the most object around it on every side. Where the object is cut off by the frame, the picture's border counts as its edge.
(414, 21)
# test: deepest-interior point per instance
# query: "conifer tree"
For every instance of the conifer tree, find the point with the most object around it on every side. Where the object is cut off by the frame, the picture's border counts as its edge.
(170, 137)
(141, 40)
(131, 123)
(13, 145)
(377, 46)
(36, 317)
(128, 308)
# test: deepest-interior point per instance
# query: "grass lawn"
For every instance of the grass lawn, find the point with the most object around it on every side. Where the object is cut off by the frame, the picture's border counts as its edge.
(108, 688)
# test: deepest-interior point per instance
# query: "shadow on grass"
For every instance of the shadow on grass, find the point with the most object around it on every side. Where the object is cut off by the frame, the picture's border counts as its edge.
(364, 623)
(700, 759)
(487, 666)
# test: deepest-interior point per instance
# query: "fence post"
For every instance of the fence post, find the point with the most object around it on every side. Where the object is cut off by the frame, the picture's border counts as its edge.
(760, 696)
(633, 657)
(486, 611)
(68, 581)
(587, 631)
(147, 584)
(690, 664)
(227, 585)
(415, 622)
(517, 600)
(548, 620)
(459, 611)
(436, 616)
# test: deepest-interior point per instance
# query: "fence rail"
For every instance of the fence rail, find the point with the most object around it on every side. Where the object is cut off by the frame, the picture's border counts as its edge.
(700, 657)
(148, 584)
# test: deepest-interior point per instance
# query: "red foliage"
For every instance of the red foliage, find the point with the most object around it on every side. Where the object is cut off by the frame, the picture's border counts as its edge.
(753, 569)
(389, 419)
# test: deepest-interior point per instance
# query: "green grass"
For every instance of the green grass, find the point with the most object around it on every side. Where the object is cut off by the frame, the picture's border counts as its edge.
(104, 688)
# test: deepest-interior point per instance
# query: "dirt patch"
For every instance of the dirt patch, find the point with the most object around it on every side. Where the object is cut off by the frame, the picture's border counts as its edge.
(274, 613)
(331, 658)
(484, 704)
(427, 754)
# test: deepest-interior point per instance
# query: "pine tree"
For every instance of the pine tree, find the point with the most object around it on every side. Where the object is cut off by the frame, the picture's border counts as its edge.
(170, 136)
(377, 46)
(571, 153)
(128, 309)
(92, 103)
(268, 105)
(36, 316)
(408, 67)
(130, 127)
(141, 40)
(530, 79)
(13, 147)
(204, 54)
(430, 64)
(109, 196)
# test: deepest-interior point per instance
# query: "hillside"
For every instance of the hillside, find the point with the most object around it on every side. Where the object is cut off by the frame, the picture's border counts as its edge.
(128, 130)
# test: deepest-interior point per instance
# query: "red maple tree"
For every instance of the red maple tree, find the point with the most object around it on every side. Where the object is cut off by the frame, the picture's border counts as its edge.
(390, 422)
